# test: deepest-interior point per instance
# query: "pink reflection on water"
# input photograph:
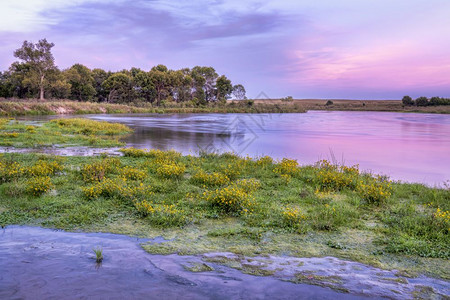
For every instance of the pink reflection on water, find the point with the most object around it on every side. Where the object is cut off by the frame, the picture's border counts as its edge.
(408, 147)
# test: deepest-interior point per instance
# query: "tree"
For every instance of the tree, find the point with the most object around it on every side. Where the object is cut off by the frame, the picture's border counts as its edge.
(82, 82)
(407, 100)
(100, 76)
(40, 59)
(143, 86)
(204, 82)
(224, 88)
(239, 92)
(159, 77)
(422, 101)
(118, 87)
(5, 85)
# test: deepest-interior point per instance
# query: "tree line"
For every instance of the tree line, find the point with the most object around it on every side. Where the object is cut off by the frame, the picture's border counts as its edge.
(36, 75)
(424, 101)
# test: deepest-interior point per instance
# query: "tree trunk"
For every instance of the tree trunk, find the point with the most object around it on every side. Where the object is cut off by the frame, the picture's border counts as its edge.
(41, 87)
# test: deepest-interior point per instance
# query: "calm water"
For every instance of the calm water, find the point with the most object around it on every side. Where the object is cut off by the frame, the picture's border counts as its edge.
(408, 147)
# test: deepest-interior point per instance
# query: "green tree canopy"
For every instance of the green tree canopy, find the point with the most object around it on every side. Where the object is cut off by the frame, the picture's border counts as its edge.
(40, 60)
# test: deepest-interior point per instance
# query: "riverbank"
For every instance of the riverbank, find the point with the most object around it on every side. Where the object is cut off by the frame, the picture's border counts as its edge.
(20, 107)
(250, 207)
(68, 107)
(357, 105)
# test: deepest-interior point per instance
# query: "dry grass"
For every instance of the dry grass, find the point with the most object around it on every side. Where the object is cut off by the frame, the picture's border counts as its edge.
(355, 105)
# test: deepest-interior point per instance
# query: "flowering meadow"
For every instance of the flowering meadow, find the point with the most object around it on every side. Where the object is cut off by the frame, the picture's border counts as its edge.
(223, 202)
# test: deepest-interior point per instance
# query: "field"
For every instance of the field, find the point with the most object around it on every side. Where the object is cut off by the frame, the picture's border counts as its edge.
(356, 105)
(248, 206)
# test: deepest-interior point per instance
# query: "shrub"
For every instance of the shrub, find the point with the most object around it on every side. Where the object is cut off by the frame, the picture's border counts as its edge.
(292, 217)
(329, 102)
(39, 185)
(287, 99)
(442, 218)
(45, 168)
(97, 170)
(211, 179)
(230, 199)
(248, 185)
(232, 171)
(335, 178)
(10, 171)
(264, 161)
(287, 167)
(132, 173)
(376, 191)
(171, 170)
(407, 101)
(422, 101)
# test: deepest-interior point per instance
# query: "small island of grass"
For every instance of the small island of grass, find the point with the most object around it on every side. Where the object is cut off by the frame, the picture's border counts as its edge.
(61, 132)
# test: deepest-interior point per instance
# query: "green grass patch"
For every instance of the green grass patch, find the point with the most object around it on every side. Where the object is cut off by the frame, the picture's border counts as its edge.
(61, 132)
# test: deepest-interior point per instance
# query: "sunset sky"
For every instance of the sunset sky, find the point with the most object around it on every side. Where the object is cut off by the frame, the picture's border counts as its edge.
(353, 49)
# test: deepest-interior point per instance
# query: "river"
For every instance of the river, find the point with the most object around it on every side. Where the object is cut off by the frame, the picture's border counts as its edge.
(409, 147)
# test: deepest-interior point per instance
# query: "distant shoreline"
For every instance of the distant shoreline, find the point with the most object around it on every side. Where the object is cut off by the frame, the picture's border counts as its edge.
(21, 107)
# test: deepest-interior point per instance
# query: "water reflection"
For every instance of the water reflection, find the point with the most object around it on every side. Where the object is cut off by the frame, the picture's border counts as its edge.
(408, 147)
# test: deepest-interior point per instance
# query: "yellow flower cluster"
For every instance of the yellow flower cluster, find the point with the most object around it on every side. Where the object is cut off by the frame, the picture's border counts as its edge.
(9, 134)
(286, 178)
(132, 173)
(248, 185)
(30, 129)
(10, 171)
(442, 216)
(144, 207)
(211, 179)
(98, 169)
(376, 191)
(264, 161)
(39, 185)
(117, 188)
(335, 178)
(287, 167)
(232, 171)
(3, 122)
(171, 170)
(45, 168)
(292, 216)
(233, 198)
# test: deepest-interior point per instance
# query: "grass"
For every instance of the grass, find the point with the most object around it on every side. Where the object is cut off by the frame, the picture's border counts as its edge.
(20, 107)
(61, 132)
(215, 202)
(98, 254)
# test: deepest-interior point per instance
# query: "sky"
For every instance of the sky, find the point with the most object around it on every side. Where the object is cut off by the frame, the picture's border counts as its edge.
(346, 49)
